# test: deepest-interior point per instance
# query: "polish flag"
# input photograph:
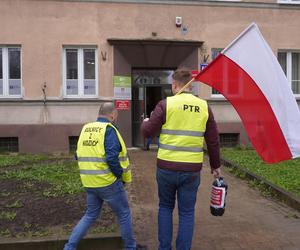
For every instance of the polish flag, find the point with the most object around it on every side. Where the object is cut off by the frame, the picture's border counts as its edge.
(248, 74)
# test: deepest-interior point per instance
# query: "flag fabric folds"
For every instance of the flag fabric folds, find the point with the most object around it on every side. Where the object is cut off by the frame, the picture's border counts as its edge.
(248, 74)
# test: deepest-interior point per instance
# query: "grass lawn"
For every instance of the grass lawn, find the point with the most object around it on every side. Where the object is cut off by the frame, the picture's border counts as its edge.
(10, 159)
(284, 174)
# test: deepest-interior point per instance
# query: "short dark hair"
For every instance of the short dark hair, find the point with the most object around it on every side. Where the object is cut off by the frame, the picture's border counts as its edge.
(182, 76)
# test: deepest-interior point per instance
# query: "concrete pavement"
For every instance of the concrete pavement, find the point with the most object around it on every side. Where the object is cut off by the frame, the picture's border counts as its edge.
(251, 221)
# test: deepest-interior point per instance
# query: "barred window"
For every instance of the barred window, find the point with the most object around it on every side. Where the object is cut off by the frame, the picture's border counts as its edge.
(229, 139)
(73, 143)
(9, 144)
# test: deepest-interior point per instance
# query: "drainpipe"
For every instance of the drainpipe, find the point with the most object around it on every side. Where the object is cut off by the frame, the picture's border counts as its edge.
(44, 93)
(45, 111)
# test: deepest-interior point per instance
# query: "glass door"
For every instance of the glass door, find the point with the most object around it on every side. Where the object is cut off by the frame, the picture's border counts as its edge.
(148, 88)
(138, 114)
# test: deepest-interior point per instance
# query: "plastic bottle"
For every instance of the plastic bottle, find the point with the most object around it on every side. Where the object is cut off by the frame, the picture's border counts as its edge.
(218, 197)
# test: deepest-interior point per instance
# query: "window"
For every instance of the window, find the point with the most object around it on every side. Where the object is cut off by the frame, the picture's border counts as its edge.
(229, 139)
(80, 72)
(73, 143)
(9, 144)
(1, 73)
(10, 72)
(290, 63)
(231, 87)
(214, 54)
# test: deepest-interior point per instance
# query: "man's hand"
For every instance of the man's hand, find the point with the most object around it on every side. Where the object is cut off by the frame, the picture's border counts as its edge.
(216, 172)
(146, 119)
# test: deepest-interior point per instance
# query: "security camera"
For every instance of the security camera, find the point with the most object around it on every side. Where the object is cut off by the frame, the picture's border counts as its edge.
(178, 21)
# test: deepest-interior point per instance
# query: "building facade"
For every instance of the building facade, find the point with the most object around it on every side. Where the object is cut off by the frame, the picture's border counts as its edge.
(60, 58)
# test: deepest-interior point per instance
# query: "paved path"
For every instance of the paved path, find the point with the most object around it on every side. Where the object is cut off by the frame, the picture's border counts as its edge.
(251, 221)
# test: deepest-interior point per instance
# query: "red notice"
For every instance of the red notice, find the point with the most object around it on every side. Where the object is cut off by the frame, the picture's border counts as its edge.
(195, 73)
(122, 105)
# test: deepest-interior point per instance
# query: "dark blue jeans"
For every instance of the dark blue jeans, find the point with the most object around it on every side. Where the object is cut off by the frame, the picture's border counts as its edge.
(185, 186)
(116, 198)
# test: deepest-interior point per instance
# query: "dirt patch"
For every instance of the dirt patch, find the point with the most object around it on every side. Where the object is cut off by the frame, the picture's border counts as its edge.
(26, 211)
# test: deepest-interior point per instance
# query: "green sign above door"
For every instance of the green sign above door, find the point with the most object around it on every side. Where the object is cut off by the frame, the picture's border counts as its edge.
(122, 81)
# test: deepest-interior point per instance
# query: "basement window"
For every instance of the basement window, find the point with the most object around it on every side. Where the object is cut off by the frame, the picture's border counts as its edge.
(9, 144)
(73, 143)
(229, 139)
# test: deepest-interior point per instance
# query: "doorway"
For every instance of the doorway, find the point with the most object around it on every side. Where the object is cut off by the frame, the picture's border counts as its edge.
(148, 88)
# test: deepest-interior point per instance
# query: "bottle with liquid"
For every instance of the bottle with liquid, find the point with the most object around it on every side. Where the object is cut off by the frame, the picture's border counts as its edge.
(218, 197)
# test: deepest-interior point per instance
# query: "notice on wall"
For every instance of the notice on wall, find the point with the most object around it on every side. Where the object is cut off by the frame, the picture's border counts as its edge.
(195, 88)
(195, 84)
(122, 104)
(122, 87)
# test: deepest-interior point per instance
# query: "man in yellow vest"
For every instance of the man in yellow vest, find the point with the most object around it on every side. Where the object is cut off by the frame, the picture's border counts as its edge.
(104, 167)
(183, 121)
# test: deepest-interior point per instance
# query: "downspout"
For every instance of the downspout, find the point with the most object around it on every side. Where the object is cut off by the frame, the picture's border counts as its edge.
(45, 109)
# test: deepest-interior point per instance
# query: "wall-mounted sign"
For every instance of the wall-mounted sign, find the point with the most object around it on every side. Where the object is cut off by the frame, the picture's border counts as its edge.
(122, 93)
(194, 73)
(122, 87)
(203, 66)
(195, 84)
(122, 81)
(122, 104)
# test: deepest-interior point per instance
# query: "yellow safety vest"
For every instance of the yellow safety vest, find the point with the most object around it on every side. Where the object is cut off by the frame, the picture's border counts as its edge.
(94, 171)
(182, 135)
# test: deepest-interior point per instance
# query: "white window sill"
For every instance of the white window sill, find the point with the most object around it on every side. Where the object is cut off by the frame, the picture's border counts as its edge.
(11, 97)
(288, 1)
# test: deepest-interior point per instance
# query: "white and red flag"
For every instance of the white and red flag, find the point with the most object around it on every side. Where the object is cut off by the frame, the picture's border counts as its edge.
(248, 74)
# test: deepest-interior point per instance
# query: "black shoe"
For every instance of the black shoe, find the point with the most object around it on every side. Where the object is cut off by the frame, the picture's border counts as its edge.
(141, 247)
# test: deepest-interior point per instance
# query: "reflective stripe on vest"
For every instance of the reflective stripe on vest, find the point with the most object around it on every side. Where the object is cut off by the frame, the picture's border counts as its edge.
(98, 159)
(182, 135)
(91, 159)
(95, 172)
(182, 132)
(175, 148)
(100, 172)
(126, 170)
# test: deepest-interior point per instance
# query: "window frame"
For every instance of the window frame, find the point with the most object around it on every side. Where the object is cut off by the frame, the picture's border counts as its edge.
(80, 72)
(5, 72)
(289, 67)
(216, 96)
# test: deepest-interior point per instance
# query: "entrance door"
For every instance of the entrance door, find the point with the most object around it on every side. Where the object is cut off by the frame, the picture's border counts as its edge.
(148, 88)
(138, 115)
